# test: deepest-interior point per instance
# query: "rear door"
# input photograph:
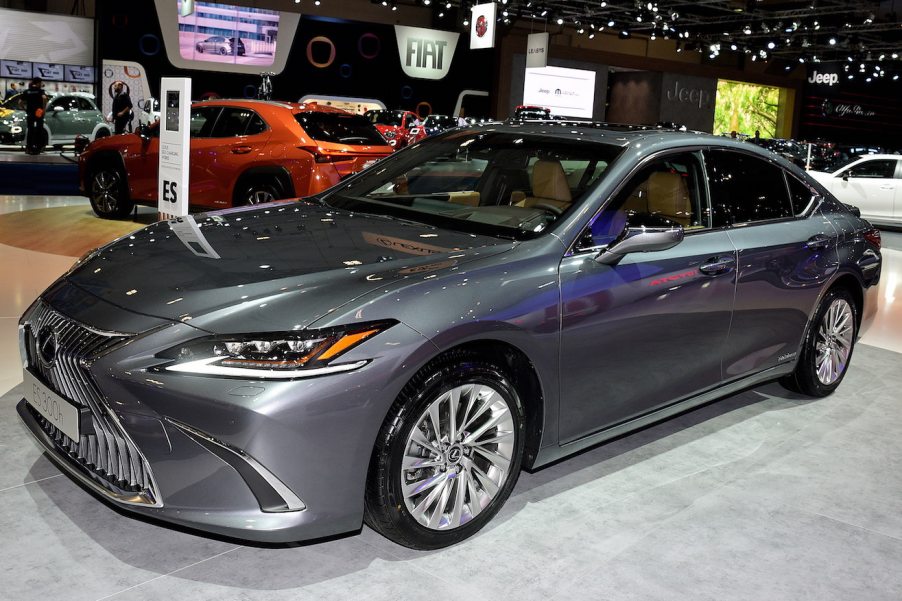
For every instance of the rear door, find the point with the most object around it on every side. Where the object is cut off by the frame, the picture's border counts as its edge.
(235, 142)
(786, 252)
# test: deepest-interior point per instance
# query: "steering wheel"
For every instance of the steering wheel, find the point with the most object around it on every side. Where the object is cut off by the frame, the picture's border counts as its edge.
(554, 210)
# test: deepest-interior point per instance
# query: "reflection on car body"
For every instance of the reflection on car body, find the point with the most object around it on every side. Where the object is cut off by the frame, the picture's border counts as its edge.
(397, 347)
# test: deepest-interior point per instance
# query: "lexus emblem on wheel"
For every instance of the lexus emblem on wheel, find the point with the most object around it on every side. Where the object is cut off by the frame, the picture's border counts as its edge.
(47, 345)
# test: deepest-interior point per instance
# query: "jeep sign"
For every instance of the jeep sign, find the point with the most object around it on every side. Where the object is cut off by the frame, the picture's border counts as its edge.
(829, 79)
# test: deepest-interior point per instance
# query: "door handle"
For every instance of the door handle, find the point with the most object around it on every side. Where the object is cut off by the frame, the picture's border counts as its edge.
(717, 265)
(887, 187)
(241, 149)
(818, 242)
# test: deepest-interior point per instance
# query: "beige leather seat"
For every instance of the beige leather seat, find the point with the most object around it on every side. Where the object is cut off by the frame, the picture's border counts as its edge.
(549, 186)
(668, 197)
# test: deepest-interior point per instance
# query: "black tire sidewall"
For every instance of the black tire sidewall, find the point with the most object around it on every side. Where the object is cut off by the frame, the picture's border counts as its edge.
(123, 205)
(398, 426)
(806, 379)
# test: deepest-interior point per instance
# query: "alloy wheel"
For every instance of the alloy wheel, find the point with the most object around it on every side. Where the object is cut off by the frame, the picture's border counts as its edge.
(105, 190)
(257, 196)
(834, 341)
(458, 456)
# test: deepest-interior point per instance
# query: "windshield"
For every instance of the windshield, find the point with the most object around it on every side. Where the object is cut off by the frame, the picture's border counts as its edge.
(503, 184)
(15, 103)
(385, 117)
(339, 128)
(440, 121)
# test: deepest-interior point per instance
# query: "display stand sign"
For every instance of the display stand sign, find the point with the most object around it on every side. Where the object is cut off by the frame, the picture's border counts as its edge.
(537, 50)
(175, 147)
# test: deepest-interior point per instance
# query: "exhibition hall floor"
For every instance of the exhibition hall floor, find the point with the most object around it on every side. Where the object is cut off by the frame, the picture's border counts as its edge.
(762, 495)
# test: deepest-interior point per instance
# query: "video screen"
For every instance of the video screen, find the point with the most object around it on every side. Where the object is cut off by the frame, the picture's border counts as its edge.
(224, 33)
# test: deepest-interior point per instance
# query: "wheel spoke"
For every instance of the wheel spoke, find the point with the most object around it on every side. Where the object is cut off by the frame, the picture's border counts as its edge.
(457, 479)
(416, 435)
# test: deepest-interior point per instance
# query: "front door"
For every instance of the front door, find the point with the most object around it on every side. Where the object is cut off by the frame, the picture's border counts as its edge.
(870, 185)
(650, 330)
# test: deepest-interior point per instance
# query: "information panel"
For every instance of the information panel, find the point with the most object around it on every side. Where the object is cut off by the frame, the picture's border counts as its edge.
(175, 146)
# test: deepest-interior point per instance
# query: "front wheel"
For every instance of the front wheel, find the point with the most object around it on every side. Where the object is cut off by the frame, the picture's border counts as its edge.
(109, 196)
(828, 346)
(448, 454)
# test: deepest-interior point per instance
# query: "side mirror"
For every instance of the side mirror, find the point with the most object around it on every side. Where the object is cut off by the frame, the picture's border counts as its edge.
(845, 176)
(640, 239)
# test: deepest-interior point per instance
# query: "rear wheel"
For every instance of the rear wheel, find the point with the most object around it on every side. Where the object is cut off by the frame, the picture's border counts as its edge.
(257, 191)
(109, 196)
(828, 346)
(448, 454)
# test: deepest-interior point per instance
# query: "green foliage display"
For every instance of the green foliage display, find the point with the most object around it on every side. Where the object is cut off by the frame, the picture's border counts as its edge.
(744, 107)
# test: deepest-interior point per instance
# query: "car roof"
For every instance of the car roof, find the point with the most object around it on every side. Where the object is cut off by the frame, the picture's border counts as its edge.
(253, 103)
(648, 138)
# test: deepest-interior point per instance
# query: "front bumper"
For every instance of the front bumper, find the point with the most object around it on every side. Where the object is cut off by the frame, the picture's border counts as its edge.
(270, 461)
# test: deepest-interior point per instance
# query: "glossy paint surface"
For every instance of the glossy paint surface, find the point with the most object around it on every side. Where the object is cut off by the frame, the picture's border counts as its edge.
(607, 343)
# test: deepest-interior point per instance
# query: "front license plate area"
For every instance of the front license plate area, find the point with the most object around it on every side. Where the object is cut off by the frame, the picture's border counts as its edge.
(58, 411)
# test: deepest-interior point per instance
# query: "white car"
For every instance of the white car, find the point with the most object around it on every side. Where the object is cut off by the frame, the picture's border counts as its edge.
(871, 183)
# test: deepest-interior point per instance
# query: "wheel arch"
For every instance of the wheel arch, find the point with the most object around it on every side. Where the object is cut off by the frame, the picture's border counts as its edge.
(277, 172)
(853, 285)
(104, 156)
(525, 379)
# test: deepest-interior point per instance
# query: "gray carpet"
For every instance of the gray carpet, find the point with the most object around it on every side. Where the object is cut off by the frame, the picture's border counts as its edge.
(763, 495)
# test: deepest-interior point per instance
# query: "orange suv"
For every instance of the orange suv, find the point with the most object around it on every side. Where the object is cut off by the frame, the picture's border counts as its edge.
(242, 152)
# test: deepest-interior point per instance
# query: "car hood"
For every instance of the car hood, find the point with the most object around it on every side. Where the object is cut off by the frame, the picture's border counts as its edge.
(282, 265)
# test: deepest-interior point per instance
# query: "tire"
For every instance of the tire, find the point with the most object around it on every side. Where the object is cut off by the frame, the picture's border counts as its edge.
(200, 48)
(109, 192)
(426, 491)
(102, 133)
(257, 191)
(223, 51)
(828, 346)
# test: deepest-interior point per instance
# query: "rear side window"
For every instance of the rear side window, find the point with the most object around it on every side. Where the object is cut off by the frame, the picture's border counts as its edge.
(800, 195)
(339, 128)
(745, 189)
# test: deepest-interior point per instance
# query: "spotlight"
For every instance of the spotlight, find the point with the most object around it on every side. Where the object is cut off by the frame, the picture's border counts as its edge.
(771, 45)
(832, 41)
(625, 34)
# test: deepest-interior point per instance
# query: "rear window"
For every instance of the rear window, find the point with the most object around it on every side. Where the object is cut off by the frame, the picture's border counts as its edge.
(339, 128)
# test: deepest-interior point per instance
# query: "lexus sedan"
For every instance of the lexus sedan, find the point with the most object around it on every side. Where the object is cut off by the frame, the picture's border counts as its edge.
(395, 349)
(870, 183)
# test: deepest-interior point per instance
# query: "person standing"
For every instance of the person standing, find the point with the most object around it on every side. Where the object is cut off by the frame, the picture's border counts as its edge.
(122, 108)
(12, 90)
(35, 104)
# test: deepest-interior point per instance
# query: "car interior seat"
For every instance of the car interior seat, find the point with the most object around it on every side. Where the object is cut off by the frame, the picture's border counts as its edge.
(549, 186)
(668, 196)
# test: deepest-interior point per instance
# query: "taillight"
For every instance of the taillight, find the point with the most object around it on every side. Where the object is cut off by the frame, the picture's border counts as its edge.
(321, 157)
(873, 236)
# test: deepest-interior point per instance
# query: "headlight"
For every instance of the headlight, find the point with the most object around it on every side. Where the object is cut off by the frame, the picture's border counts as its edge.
(283, 355)
(390, 133)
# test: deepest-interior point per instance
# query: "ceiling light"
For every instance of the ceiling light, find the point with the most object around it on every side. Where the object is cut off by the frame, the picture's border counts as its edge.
(832, 41)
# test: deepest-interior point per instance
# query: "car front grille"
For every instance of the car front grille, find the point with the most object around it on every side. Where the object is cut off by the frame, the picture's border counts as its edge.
(103, 451)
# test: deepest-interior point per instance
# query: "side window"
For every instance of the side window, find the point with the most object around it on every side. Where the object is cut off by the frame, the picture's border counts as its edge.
(877, 168)
(745, 189)
(668, 191)
(58, 102)
(202, 120)
(232, 123)
(800, 194)
(85, 105)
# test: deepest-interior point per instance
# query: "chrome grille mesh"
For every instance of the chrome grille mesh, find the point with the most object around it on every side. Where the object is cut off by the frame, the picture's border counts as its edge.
(103, 450)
